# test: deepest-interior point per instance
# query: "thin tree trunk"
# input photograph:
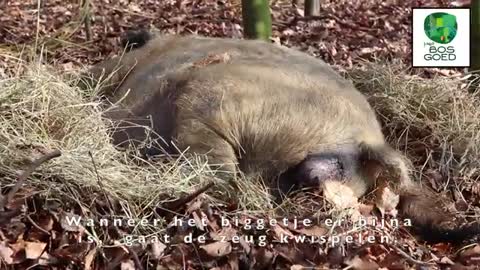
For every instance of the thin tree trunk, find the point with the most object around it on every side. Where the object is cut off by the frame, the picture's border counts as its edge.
(312, 7)
(475, 48)
(87, 19)
(257, 21)
(475, 44)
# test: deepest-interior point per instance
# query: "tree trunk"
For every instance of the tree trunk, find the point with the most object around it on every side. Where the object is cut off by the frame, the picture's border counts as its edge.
(475, 48)
(474, 45)
(312, 7)
(257, 22)
(87, 19)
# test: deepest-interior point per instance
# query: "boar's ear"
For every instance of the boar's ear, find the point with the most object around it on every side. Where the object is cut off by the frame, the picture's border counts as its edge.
(135, 39)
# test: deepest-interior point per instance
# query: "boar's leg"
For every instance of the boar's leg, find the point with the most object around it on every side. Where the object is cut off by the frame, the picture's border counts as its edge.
(202, 140)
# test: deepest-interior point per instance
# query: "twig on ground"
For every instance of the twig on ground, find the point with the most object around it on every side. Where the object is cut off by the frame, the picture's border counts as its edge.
(87, 19)
(100, 182)
(136, 260)
(25, 174)
(132, 253)
(408, 257)
(168, 206)
(37, 226)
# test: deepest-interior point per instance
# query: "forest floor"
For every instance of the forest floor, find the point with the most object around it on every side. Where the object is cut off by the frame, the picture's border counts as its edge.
(34, 229)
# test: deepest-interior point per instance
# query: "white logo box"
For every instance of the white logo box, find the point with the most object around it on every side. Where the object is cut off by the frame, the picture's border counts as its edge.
(428, 53)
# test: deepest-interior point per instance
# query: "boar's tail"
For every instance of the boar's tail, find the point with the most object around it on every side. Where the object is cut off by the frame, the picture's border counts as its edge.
(430, 221)
(422, 206)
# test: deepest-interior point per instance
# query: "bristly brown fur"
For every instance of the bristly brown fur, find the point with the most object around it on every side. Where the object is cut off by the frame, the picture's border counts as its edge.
(263, 115)
(263, 109)
(431, 220)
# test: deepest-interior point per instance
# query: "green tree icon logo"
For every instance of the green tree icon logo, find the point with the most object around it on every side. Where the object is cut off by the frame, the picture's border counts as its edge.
(441, 27)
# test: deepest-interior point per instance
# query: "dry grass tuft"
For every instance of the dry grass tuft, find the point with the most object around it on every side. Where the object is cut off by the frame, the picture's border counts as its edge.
(41, 111)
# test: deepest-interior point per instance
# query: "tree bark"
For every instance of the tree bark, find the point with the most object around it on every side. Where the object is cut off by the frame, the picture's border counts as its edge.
(257, 21)
(475, 41)
(474, 46)
(87, 19)
(312, 7)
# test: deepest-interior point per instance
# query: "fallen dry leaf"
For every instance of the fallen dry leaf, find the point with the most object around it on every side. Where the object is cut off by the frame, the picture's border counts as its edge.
(315, 230)
(89, 259)
(156, 249)
(34, 250)
(461, 3)
(386, 201)
(340, 195)
(217, 249)
(46, 259)
(199, 220)
(446, 260)
(441, 248)
(473, 251)
(227, 233)
(343, 199)
(362, 264)
(6, 253)
(194, 206)
(365, 209)
(280, 232)
(127, 265)
(470, 255)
